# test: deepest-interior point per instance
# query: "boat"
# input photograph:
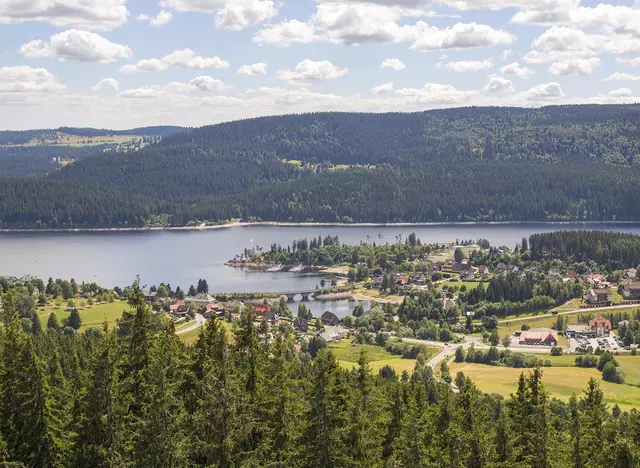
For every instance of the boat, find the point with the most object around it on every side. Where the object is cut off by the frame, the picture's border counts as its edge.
(297, 269)
(275, 268)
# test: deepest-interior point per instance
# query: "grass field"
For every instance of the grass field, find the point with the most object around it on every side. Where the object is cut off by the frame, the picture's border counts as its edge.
(560, 382)
(631, 367)
(399, 365)
(93, 316)
(64, 139)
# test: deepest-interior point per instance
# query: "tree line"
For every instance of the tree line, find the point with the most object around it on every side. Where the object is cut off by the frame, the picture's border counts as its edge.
(136, 396)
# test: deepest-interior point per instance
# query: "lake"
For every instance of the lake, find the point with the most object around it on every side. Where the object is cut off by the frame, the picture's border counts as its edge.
(182, 257)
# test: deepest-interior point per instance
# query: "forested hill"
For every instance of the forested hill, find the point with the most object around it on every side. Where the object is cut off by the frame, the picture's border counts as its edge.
(472, 164)
(22, 137)
(608, 134)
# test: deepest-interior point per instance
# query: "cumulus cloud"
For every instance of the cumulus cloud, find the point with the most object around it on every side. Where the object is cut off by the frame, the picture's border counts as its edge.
(83, 14)
(24, 79)
(107, 84)
(78, 45)
(229, 14)
(253, 69)
(185, 58)
(629, 62)
(461, 36)
(394, 64)
(382, 89)
(144, 92)
(618, 76)
(514, 69)
(616, 96)
(574, 67)
(310, 71)
(544, 92)
(346, 23)
(206, 84)
(498, 84)
(435, 93)
(162, 18)
(464, 66)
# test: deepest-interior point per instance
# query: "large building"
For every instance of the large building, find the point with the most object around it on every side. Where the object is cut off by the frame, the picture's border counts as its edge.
(631, 290)
(542, 337)
(600, 325)
(599, 296)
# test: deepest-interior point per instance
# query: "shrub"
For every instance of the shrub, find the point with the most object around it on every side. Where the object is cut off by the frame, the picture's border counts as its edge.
(556, 351)
(611, 373)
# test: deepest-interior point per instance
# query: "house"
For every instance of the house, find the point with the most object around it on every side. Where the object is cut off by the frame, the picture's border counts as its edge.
(631, 290)
(539, 338)
(151, 297)
(600, 325)
(500, 268)
(434, 269)
(178, 309)
(448, 303)
(460, 267)
(467, 275)
(483, 270)
(599, 296)
(596, 280)
(301, 325)
(630, 273)
(333, 333)
(330, 319)
(553, 274)
(262, 310)
(572, 274)
(201, 300)
(213, 309)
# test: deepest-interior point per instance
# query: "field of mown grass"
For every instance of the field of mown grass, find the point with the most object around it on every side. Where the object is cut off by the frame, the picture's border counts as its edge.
(92, 316)
(631, 367)
(560, 382)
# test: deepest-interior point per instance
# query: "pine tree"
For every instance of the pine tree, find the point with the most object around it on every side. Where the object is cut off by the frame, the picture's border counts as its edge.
(100, 440)
(28, 423)
(576, 433)
(216, 399)
(52, 322)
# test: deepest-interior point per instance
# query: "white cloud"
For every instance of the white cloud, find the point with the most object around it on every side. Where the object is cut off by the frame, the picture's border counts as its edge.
(24, 79)
(434, 93)
(285, 34)
(83, 14)
(394, 64)
(622, 77)
(464, 66)
(253, 69)
(544, 92)
(574, 67)
(616, 96)
(229, 14)
(461, 36)
(78, 45)
(162, 18)
(498, 84)
(185, 58)
(514, 69)
(107, 84)
(309, 71)
(144, 92)
(346, 23)
(206, 84)
(629, 62)
(382, 89)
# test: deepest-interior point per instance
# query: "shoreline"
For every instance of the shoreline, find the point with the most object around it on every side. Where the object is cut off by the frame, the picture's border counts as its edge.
(320, 224)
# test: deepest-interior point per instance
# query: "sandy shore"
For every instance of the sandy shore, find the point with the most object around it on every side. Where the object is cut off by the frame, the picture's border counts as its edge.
(230, 225)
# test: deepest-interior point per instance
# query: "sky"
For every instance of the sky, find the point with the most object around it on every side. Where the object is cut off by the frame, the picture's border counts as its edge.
(123, 63)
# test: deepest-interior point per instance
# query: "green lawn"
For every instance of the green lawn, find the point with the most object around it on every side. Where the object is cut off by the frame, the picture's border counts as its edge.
(560, 382)
(190, 337)
(399, 365)
(344, 350)
(631, 367)
(92, 316)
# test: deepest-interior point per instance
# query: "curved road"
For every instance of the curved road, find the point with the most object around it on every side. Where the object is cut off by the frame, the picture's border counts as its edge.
(197, 323)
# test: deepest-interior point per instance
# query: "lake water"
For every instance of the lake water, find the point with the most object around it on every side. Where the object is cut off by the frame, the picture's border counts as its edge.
(182, 257)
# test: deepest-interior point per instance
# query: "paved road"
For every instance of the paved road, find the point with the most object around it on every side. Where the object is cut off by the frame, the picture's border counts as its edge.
(197, 323)
(595, 309)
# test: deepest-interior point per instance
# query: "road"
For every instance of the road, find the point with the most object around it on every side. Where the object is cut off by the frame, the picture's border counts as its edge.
(595, 309)
(197, 323)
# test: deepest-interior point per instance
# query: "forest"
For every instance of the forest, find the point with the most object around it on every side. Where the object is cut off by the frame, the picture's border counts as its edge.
(562, 163)
(136, 396)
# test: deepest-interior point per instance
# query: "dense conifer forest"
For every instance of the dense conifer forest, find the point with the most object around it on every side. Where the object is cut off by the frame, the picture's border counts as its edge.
(136, 396)
(573, 163)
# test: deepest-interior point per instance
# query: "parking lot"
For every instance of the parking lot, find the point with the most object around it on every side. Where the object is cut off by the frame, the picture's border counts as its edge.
(603, 342)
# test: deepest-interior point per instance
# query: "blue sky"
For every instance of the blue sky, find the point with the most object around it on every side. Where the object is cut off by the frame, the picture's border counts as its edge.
(120, 64)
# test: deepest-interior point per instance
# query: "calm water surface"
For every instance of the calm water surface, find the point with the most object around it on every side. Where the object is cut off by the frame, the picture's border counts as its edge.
(182, 257)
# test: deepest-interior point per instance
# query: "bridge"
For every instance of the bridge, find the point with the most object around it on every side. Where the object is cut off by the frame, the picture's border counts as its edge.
(306, 294)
